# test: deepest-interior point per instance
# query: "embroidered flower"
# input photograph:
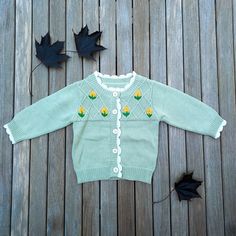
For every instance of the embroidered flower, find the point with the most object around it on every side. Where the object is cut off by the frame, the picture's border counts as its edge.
(149, 111)
(104, 111)
(81, 111)
(137, 94)
(126, 111)
(92, 94)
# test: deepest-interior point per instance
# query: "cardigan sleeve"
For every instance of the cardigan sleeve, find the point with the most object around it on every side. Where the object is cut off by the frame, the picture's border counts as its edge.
(46, 115)
(186, 112)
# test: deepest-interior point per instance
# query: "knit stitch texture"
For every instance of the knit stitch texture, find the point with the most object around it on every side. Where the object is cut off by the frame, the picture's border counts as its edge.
(115, 122)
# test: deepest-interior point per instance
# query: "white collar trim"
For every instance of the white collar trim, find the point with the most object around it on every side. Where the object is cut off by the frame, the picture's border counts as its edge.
(119, 89)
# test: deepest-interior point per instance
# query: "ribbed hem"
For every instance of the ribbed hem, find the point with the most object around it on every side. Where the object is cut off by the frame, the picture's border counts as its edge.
(106, 173)
(216, 126)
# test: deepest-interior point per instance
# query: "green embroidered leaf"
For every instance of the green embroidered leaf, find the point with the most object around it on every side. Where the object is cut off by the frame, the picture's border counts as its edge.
(104, 114)
(81, 114)
(137, 97)
(126, 113)
(92, 97)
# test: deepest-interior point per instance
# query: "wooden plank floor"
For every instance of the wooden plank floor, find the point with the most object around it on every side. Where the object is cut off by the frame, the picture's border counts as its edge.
(187, 44)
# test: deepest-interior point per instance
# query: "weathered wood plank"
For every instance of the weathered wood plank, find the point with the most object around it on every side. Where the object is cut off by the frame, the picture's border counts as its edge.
(226, 95)
(126, 204)
(20, 185)
(213, 177)
(161, 217)
(192, 82)
(143, 191)
(56, 149)
(198, 52)
(108, 66)
(91, 216)
(38, 160)
(7, 27)
(73, 190)
(234, 34)
(177, 155)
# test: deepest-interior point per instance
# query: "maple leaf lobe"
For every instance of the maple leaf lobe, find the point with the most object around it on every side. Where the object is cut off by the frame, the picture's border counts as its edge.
(86, 44)
(186, 188)
(50, 54)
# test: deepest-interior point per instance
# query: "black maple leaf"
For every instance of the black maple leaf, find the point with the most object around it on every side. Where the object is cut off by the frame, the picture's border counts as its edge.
(186, 187)
(86, 43)
(50, 54)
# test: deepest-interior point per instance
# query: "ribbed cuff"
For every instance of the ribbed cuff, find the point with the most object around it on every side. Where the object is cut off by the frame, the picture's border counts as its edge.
(13, 131)
(9, 133)
(220, 129)
(217, 126)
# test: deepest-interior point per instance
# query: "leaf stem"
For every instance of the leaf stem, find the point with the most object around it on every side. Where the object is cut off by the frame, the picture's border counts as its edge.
(165, 197)
(70, 51)
(29, 80)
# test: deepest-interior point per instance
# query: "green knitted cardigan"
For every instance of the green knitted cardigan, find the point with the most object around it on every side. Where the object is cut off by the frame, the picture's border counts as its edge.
(115, 122)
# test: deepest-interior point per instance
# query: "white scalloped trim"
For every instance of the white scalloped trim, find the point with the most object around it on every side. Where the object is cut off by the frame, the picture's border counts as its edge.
(118, 105)
(124, 76)
(9, 133)
(220, 128)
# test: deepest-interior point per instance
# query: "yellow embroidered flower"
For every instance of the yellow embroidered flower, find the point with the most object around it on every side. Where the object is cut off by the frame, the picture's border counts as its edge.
(149, 111)
(137, 94)
(92, 94)
(81, 111)
(104, 111)
(126, 111)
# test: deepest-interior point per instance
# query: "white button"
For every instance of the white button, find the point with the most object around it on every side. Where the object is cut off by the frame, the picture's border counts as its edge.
(115, 94)
(115, 169)
(114, 150)
(115, 131)
(114, 111)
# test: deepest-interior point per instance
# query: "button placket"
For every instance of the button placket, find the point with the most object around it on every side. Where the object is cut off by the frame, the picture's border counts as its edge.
(117, 169)
(116, 94)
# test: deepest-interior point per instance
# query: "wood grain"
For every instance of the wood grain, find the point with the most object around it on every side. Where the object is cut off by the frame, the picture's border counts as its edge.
(21, 153)
(187, 44)
(74, 72)
(56, 142)
(7, 70)
(39, 146)
(226, 86)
